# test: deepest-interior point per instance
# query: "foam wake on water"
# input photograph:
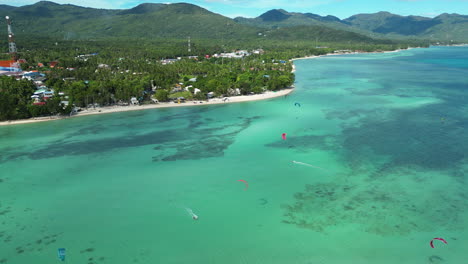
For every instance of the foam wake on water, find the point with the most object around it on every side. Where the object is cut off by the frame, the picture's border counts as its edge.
(309, 165)
(191, 213)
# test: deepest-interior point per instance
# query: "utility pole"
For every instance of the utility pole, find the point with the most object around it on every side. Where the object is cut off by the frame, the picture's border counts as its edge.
(11, 41)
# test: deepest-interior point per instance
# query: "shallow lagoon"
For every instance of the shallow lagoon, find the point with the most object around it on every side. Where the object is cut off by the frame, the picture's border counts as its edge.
(389, 131)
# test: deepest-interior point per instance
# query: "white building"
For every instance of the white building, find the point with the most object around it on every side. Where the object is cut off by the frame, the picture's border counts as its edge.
(134, 101)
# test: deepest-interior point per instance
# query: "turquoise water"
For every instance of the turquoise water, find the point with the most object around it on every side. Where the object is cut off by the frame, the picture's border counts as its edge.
(388, 132)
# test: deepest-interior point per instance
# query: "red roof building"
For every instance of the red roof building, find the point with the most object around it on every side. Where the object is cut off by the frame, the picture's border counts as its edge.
(7, 63)
(52, 64)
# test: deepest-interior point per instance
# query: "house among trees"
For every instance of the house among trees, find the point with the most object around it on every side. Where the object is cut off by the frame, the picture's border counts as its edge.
(52, 64)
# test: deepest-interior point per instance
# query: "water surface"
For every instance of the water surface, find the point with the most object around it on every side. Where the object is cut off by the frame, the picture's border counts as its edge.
(387, 130)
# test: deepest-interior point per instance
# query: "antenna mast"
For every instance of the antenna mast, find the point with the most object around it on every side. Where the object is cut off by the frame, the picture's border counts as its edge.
(11, 41)
(189, 46)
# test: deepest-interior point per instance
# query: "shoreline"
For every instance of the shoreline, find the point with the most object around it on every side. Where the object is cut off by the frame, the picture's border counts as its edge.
(351, 53)
(370, 52)
(116, 109)
(232, 99)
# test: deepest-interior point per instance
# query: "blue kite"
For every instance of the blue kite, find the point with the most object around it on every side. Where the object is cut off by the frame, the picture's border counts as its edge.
(297, 104)
(61, 254)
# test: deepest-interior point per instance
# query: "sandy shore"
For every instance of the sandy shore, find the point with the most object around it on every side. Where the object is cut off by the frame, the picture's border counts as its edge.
(338, 54)
(233, 99)
(114, 109)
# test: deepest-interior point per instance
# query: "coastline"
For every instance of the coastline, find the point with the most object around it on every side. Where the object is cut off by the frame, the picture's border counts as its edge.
(232, 99)
(351, 53)
(115, 109)
(371, 52)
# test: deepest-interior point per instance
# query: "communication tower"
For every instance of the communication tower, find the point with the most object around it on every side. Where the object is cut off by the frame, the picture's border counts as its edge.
(11, 41)
(189, 45)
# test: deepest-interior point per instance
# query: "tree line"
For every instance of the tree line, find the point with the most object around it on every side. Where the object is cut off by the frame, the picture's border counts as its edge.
(119, 71)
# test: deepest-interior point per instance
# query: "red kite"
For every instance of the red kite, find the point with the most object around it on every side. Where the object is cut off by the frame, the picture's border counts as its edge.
(437, 238)
(246, 185)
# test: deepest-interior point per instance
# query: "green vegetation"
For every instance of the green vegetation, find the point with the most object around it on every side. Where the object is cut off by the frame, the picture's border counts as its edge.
(156, 21)
(16, 103)
(108, 57)
(445, 27)
(69, 22)
(114, 72)
(119, 70)
(279, 18)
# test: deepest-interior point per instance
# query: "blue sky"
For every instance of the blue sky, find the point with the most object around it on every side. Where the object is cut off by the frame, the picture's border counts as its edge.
(254, 8)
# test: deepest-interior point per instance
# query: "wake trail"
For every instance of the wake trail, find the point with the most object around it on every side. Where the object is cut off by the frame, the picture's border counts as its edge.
(309, 165)
(191, 213)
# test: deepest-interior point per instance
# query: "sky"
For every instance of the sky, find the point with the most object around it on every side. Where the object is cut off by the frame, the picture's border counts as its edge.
(254, 8)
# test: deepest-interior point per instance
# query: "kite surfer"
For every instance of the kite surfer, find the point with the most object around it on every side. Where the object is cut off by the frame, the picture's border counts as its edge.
(437, 238)
(283, 136)
(194, 216)
(246, 184)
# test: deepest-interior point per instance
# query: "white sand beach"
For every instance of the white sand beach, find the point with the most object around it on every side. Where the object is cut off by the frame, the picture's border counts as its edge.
(233, 99)
(350, 53)
(113, 109)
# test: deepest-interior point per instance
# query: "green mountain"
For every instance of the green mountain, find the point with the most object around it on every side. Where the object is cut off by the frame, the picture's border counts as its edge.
(324, 34)
(144, 21)
(6, 7)
(450, 27)
(385, 22)
(443, 27)
(142, 9)
(275, 15)
(285, 26)
(162, 21)
(324, 18)
(378, 25)
(277, 18)
(176, 21)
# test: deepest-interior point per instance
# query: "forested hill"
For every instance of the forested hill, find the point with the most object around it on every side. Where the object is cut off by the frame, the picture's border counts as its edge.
(153, 21)
(444, 27)
(143, 21)
(278, 18)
